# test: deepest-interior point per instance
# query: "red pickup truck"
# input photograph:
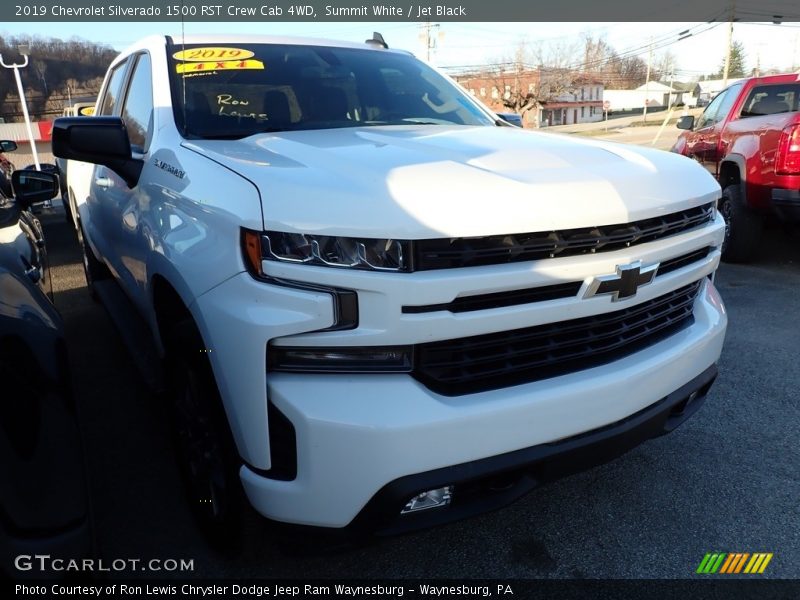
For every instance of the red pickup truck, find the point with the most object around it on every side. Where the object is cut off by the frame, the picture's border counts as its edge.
(749, 138)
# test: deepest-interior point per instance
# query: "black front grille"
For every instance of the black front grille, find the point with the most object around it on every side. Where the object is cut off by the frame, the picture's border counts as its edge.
(448, 253)
(497, 360)
(556, 291)
(673, 264)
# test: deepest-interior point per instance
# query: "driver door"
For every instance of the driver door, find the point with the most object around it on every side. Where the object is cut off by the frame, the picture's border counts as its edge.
(708, 130)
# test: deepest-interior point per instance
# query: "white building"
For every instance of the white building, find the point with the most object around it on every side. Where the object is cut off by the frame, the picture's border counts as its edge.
(704, 91)
(654, 93)
(581, 103)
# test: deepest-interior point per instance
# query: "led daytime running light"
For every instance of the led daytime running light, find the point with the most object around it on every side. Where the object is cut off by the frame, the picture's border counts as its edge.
(342, 252)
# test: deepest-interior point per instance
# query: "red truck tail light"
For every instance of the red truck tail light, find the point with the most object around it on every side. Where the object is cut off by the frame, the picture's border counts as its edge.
(788, 159)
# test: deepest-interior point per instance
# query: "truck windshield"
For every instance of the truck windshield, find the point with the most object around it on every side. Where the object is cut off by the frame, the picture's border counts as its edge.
(242, 89)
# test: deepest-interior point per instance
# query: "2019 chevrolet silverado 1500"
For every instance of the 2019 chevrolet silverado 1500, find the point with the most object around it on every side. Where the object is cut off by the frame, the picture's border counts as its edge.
(376, 308)
(749, 138)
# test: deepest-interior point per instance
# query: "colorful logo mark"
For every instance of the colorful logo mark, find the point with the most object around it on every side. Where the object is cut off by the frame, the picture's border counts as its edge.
(733, 562)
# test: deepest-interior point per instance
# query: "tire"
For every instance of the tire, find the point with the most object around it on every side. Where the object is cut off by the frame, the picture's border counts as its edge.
(205, 450)
(62, 186)
(67, 209)
(93, 269)
(5, 186)
(743, 226)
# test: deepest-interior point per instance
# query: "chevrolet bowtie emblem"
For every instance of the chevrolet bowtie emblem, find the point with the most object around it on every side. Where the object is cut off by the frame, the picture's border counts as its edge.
(624, 284)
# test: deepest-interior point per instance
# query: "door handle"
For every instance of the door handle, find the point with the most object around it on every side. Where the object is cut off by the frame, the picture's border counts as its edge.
(31, 271)
(104, 182)
(34, 274)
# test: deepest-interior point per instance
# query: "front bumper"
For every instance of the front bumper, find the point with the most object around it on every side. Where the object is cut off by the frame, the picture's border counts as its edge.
(363, 442)
(787, 205)
(493, 482)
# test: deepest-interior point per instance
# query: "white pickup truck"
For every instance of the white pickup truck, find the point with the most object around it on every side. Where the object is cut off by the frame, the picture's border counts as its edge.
(378, 307)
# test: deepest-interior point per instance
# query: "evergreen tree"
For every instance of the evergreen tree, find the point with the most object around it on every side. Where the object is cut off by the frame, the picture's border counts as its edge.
(737, 64)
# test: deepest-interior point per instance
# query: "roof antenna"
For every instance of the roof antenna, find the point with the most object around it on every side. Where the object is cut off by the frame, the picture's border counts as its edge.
(377, 41)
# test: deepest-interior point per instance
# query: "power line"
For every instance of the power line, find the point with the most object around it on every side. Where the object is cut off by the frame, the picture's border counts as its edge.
(658, 44)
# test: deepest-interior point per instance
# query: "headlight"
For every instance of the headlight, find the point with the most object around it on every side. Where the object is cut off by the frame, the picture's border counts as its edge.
(343, 252)
(345, 302)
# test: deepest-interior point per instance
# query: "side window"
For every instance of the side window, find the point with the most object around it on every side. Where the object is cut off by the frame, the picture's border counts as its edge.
(113, 90)
(727, 102)
(707, 118)
(719, 107)
(138, 110)
(771, 100)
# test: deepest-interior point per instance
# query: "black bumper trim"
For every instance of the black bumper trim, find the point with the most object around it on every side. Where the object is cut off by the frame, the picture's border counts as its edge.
(786, 204)
(493, 482)
(790, 197)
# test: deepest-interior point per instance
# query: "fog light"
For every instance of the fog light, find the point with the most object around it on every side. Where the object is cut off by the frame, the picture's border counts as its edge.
(430, 499)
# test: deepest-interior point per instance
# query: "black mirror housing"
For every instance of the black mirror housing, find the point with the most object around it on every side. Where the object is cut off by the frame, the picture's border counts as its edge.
(99, 140)
(8, 145)
(32, 186)
(686, 122)
(511, 118)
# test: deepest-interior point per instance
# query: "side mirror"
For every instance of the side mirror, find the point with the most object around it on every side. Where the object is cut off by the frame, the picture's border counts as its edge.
(511, 118)
(99, 140)
(31, 186)
(8, 145)
(686, 122)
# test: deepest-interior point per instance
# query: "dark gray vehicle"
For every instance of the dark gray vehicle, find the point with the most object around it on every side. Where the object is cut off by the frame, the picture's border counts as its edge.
(512, 118)
(44, 504)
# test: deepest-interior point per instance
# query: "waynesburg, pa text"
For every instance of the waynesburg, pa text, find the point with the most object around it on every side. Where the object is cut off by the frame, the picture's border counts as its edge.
(273, 590)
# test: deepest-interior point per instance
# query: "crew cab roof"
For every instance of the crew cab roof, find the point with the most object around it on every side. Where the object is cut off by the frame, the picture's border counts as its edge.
(781, 78)
(155, 41)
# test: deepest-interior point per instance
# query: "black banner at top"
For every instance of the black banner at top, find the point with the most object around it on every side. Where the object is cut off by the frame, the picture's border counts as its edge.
(395, 10)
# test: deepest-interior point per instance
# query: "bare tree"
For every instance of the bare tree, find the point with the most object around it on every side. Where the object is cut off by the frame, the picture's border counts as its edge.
(664, 65)
(53, 63)
(603, 62)
(534, 76)
(40, 67)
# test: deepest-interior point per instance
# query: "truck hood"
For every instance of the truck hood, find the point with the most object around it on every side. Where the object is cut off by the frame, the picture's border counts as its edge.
(427, 181)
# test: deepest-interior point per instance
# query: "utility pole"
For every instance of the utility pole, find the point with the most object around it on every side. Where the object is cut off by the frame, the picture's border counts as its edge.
(23, 50)
(730, 45)
(647, 81)
(671, 80)
(430, 40)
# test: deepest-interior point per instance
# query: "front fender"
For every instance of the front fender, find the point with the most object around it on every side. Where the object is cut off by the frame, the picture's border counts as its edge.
(679, 147)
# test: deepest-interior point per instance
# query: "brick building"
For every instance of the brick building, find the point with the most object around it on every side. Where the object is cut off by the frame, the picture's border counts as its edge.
(558, 98)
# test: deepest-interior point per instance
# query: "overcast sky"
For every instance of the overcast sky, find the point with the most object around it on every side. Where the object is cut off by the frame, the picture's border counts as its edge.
(776, 46)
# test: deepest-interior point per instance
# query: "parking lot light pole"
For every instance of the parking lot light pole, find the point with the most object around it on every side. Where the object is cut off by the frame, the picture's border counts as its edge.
(23, 50)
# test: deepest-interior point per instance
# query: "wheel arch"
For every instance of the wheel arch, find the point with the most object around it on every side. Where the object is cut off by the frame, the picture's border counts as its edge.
(732, 171)
(169, 308)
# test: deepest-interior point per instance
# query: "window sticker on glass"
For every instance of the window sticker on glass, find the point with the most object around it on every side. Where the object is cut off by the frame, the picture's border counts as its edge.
(86, 111)
(219, 65)
(210, 54)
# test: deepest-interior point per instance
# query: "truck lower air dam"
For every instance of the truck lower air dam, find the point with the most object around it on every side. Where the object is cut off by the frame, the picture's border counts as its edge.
(437, 498)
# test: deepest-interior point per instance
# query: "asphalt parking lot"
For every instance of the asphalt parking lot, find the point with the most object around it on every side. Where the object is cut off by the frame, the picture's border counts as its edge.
(728, 480)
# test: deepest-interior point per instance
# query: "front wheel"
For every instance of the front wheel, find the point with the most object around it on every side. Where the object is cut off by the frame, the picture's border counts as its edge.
(93, 269)
(205, 449)
(743, 227)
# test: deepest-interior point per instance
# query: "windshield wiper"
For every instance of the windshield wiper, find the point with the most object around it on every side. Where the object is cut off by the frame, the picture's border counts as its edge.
(423, 122)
